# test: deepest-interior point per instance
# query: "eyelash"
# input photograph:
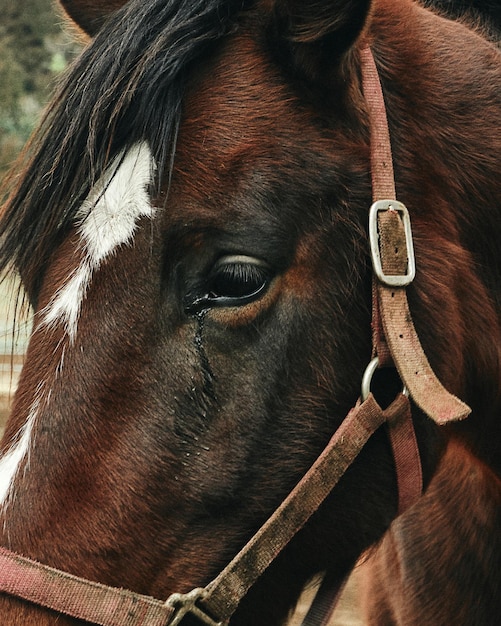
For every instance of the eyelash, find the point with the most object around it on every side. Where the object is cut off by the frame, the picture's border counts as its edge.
(233, 281)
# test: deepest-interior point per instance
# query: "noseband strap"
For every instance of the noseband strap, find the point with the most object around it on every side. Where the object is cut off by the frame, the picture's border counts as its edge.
(226, 591)
(215, 604)
(77, 597)
(396, 342)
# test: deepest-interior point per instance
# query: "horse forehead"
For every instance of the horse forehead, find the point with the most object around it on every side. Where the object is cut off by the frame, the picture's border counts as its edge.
(238, 100)
(107, 221)
(242, 132)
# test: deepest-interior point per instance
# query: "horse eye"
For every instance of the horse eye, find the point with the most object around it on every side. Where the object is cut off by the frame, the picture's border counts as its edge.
(235, 280)
(238, 277)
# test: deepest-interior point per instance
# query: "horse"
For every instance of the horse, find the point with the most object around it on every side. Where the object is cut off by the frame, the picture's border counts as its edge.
(190, 226)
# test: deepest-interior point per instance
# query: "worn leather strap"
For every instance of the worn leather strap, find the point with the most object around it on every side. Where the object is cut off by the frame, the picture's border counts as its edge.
(392, 306)
(77, 597)
(232, 584)
(413, 366)
(408, 470)
(406, 456)
(108, 606)
(385, 308)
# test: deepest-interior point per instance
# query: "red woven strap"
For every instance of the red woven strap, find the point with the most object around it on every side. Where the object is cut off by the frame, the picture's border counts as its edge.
(410, 485)
(77, 597)
(227, 590)
(109, 606)
(383, 179)
(392, 311)
(413, 366)
(406, 455)
(391, 320)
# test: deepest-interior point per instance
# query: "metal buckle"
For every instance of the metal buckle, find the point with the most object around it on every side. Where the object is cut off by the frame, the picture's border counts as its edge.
(391, 280)
(185, 603)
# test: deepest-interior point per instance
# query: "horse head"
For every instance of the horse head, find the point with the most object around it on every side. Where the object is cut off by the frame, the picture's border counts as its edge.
(191, 230)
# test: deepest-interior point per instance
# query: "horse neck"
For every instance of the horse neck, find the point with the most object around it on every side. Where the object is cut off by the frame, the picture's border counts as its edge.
(457, 309)
(439, 563)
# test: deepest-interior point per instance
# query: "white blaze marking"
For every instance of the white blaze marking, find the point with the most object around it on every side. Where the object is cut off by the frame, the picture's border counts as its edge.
(66, 303)
(106, 220)
(10, 462)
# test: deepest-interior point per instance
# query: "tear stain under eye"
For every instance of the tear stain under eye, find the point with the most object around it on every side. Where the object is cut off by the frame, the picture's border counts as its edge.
(208, 376)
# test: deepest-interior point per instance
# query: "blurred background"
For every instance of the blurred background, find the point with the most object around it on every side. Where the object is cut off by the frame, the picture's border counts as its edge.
(36, 46)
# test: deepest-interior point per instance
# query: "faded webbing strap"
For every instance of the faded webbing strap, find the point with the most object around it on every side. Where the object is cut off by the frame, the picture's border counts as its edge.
(410, 483)
(406, 455)
(78, 597)
(109, 606)
(400, 427)
(227, 590)
(393, 252)
(404, 345)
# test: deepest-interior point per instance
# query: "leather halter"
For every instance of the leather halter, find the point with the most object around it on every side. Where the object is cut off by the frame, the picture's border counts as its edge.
(395, 341)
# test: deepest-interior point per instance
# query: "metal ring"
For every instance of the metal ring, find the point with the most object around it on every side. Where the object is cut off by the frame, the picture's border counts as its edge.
(367, 380)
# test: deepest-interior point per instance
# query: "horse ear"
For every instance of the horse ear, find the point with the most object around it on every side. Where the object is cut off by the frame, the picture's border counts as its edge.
(90, 15)
(313, 36)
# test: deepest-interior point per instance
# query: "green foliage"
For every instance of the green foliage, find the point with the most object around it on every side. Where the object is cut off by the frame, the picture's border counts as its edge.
(34, 50)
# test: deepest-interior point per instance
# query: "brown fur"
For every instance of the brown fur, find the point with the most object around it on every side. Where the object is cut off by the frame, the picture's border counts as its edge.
(171, 436)
(437, 564)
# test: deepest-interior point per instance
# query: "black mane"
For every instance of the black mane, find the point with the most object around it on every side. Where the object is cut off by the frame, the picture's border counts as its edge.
(127, 86)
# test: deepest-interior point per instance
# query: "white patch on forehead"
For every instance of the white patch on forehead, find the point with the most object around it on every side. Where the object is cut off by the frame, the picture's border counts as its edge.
(109, 215)
(66, 304)
(106, 220)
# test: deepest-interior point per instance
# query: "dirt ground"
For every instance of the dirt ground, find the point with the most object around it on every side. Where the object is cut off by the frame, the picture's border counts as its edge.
(347, 612)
